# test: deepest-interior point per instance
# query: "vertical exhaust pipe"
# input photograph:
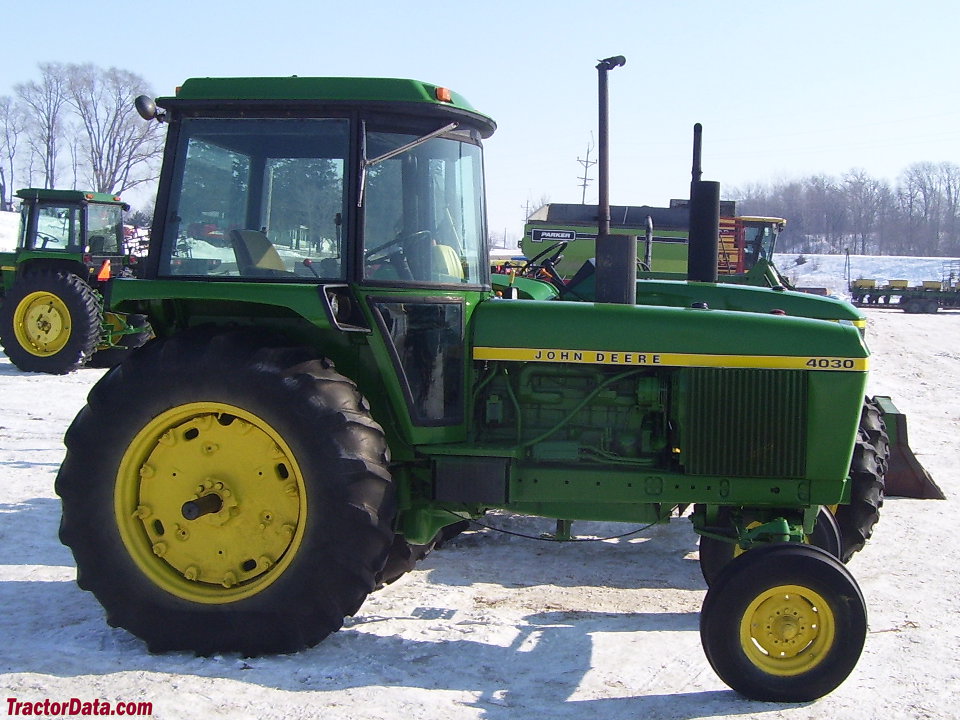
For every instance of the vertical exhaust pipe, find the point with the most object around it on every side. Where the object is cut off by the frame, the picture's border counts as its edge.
(704, 237)
(616, 255)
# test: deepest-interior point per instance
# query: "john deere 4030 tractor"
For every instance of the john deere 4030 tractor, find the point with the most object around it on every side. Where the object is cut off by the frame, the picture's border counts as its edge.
(334, 382)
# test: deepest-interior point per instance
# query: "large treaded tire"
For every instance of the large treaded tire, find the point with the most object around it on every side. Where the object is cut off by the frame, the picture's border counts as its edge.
(404, 556)
(875, 430)
(50, 322)
(858, 519)
(333, 455)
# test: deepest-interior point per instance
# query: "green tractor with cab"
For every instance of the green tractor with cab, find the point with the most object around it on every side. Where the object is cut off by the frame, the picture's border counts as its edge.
(70, 245)
(336, 384)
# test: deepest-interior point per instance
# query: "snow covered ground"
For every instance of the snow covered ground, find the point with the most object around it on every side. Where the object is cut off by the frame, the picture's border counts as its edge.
(496, 627)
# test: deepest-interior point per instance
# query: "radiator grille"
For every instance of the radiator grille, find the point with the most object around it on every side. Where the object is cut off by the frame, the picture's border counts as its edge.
(745, 423)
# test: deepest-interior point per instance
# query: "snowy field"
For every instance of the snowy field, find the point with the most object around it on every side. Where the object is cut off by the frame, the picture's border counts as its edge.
(829, 271)
(502, 628)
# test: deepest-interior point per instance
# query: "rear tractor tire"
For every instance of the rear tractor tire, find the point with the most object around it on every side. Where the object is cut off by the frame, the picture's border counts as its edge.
(784, 623)
(243, 503)
(50, 322)
(868, 469)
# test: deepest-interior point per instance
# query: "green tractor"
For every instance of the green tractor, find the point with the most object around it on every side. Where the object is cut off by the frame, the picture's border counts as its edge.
(335, 386)
(70, 244)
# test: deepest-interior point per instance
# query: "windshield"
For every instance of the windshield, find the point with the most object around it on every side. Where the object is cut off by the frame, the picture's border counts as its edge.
(58, 228)
(104, 229)
(423, 211)
(258, 198)
(759, 241)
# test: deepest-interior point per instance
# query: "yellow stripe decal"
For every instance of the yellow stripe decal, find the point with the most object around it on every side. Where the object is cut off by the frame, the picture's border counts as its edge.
(8, 267)
(655, 359)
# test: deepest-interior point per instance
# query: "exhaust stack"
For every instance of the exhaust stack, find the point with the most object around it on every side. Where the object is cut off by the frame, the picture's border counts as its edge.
(616, 255)
(704, 238)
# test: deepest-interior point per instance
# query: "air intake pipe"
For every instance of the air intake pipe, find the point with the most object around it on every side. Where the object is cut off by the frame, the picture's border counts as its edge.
(704, 237)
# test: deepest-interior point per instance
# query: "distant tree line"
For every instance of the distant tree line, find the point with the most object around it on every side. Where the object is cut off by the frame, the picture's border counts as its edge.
(76, 128)
(919, 215)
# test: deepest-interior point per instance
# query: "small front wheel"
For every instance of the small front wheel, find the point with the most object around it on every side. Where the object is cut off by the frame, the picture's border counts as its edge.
(783, 623)
(715, 554)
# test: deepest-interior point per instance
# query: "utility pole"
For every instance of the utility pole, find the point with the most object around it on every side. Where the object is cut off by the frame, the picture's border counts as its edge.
(526, 210)
(587, 164)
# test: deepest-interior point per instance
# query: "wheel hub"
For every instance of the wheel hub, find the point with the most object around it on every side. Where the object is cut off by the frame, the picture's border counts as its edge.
(787, 630)
(42, 324)
(218, 502)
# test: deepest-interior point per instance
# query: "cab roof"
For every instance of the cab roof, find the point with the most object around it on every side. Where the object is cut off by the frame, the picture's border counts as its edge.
(326, 90)
(68, 196)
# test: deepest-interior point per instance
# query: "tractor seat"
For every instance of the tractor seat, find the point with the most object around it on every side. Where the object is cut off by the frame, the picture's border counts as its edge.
(447, 266)
(96, 244)
(256, 255)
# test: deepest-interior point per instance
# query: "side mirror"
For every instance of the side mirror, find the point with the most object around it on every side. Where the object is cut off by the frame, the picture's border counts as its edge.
(147, 108)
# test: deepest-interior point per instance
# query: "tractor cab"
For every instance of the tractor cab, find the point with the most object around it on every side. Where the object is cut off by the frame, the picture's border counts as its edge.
(759, 237)
(291, 203)
(756, 241)
(81, 231)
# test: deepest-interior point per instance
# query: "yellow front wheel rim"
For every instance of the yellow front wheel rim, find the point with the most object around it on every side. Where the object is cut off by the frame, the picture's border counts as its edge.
(42, 324)
(210, 502)
(787, 630)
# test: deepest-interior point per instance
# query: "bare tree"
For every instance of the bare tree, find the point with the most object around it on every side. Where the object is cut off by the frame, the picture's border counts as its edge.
(120, 147)
(919, 200)
(12, 124)
(825, 202)
(45, 101)
(865, 198)
(950, 190)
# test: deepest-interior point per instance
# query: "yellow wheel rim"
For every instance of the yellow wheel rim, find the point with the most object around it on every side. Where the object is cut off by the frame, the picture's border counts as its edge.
(210, 502)
(787, 630)
(41, 323)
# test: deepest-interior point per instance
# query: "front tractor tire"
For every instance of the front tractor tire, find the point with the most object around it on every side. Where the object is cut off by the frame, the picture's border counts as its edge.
(243, 503)
(50, 322)
(716, 554)
(784, 623)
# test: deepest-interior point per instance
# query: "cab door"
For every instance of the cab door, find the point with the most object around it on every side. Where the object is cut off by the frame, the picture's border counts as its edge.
(422, 266)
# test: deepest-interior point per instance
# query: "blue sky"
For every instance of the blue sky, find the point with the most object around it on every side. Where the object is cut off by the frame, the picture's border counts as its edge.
(783, 89)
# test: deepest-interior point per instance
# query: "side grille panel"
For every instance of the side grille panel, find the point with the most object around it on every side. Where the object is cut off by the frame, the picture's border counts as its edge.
(745, 423)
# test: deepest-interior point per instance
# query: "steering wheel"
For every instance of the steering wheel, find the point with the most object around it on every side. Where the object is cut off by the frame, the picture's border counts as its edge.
(45, 238)
(559, 247)
(406, 245)
(400, 240)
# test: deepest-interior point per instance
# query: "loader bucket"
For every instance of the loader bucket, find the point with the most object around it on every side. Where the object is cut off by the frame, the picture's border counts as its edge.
(905, 477)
